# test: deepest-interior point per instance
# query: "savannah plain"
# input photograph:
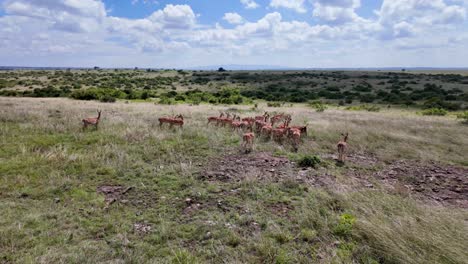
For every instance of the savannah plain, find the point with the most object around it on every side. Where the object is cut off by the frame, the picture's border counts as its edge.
(132, 191)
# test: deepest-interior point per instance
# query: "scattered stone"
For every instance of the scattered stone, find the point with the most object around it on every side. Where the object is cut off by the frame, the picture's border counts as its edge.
(142, 228)
(236, 167)
(112, 193)
(431, 181)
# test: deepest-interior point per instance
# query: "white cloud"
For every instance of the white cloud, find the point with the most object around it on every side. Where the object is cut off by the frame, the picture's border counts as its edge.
(233, 18)
(250, 4)
(175, 16)
(420, 11)
(297, 5)
(81, 32)
(64, 15)
(408, 18)
(337, 11)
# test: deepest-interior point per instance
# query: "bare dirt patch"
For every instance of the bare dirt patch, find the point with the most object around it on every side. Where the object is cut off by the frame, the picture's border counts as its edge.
(113, 193)
(431, 182)
(142, 228)
(256, 166)
(444, 184)
(280, 209)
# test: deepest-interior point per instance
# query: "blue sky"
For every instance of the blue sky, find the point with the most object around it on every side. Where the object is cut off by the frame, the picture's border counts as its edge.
(190, 33)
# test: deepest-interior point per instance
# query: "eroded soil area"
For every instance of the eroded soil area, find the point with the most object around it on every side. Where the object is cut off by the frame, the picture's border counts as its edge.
(431, 182)
(254, 166)
(445, 184)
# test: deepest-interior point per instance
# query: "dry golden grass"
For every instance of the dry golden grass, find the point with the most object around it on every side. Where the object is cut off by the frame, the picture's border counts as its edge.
(45, 156)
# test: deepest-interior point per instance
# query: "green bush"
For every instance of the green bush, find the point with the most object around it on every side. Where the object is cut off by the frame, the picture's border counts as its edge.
(369, 108)
(464, 117)
(309, 161)
(87, 94)
(97, 94)
(345, 225)
(274, 104)
(107, 99)
(318, 105)
(166, 101)
(434, 112)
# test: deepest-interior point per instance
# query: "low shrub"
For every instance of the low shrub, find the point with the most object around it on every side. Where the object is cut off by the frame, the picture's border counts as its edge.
(274, 104)
(464, 117)
(319, 106)
(345, 225)
(369, 108)
(107, 99)
(309, 161)
(166, 101)
(434, 112)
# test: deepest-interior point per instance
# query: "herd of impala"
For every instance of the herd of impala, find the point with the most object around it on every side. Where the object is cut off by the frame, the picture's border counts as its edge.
(276, 127)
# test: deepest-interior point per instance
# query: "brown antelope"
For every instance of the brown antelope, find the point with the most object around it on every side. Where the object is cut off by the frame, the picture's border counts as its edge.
(248, 141)
(215, 118)
(295, 135)
(280, 131)
(266, 130)
(259, 124)
(227, 120)
(342, 146)
(302, 129)
(236, 124)
(262, 117)
(172, 121)
(92, 121)
(279, 117)
(248, 119)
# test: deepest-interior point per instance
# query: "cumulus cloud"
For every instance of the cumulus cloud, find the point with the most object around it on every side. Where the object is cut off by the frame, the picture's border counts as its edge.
(420, 11)
(250, 4)
(233, 18)
(175, 16)
(337, 11)
(406, 18)
(64, 15)
(297, 5)
(65, 27)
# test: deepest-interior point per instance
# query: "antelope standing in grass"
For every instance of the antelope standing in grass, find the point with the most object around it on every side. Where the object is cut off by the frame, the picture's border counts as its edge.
(266, 130)
(281, 130)
(172, 121)
(227, 120)
(248, 141)
(302, 129)
(295, 135)
(263, 117)
(342, 146)
(215, 118)
(92, 121)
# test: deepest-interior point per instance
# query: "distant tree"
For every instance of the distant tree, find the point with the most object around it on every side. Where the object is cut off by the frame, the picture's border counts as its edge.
(221, 69)
(96, 67)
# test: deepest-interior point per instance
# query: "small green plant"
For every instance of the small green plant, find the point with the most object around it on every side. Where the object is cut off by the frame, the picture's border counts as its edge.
(321, 108)
(318, 105)
(345, 225)
(166, 101)
(434, 112)
(464, 117)
(309, 161)
(182, 256)
(107, 99)
(369, 108)
(308, 235)
(274, 104)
